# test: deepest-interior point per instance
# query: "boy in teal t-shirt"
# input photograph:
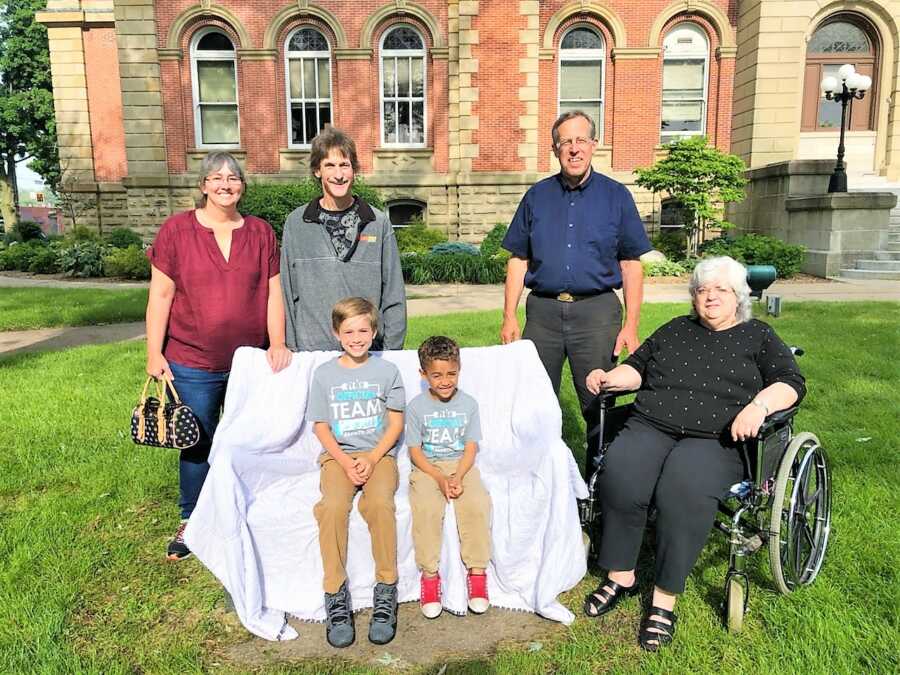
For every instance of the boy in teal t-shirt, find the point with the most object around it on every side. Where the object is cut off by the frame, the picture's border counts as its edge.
(442, 433)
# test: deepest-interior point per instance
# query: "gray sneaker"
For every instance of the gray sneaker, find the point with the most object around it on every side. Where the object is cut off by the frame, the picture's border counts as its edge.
(383, 626)
(339, 630)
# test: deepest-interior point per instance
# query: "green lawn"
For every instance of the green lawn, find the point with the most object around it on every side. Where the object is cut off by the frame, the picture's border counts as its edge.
(29, 308)
(84, 517)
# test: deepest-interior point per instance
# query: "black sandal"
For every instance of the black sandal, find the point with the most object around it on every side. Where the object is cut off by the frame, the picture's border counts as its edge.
(652, 640)
(609, 598)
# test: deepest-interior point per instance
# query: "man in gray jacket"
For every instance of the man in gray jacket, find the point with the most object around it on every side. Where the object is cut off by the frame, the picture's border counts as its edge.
(338, 247)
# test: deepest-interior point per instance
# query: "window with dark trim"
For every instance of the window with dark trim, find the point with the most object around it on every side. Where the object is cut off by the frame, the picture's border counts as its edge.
(844, 38)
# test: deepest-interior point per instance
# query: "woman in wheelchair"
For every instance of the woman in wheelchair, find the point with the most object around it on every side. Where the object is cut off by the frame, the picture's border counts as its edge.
(705, 383)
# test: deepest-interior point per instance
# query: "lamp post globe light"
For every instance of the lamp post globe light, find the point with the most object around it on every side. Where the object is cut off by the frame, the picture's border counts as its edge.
(843, 89)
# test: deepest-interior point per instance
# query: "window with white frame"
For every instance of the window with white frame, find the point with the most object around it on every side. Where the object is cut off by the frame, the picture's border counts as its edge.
(214, 83)
(308, 68)
(403, 87)
(684, 82)
(582, 56)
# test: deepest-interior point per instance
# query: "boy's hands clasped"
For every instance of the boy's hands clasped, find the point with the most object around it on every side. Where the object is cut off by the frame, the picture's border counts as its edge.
(450, 486)
(358, 469)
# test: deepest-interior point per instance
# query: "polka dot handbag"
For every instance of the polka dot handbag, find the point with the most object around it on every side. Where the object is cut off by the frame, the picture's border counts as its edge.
(172, 425)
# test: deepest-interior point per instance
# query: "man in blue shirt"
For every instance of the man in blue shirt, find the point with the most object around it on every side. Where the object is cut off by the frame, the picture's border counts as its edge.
(576, 237)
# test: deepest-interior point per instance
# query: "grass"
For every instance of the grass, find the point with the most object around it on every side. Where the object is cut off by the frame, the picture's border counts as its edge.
(30, 308)
(84, 517)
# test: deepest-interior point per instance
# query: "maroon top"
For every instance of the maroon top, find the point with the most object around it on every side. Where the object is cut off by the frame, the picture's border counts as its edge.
(219, 305)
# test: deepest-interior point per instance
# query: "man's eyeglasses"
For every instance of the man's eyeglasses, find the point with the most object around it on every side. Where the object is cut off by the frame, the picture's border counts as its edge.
(579, 142)
(221, 180)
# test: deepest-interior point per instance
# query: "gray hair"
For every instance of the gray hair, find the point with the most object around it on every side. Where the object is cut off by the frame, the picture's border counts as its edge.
(214, 161)
(736, 274)
(570, 115)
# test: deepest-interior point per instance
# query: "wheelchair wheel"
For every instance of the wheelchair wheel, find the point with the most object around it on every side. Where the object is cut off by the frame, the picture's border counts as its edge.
(801, 514)
(735, 604)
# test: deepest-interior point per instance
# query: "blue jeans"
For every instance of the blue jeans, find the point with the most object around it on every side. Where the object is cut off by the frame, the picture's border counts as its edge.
(204, 392)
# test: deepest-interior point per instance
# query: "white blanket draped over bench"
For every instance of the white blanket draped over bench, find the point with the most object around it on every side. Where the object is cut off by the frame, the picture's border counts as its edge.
(253, 526)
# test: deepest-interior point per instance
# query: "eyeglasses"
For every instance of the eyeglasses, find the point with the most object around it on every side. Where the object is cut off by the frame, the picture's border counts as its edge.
(221, 180)
(579, 142)
(720, 290)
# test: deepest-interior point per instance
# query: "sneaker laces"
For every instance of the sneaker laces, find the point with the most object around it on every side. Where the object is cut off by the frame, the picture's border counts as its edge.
(179, 534)
(383, 611)
(337, 608)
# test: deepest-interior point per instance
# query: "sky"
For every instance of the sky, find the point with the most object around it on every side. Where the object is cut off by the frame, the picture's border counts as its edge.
(28, 179)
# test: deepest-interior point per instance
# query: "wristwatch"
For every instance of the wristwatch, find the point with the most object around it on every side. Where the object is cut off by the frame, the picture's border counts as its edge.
(760, 404)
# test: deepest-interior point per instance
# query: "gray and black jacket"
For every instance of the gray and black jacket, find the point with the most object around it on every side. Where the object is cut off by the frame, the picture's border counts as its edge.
(314, 278)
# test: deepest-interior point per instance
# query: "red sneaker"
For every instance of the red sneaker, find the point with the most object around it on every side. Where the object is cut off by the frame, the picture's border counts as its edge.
(478, 594)
(430, 596)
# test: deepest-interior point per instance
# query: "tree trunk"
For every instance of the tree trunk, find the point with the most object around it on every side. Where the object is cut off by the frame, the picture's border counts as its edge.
(7, 199)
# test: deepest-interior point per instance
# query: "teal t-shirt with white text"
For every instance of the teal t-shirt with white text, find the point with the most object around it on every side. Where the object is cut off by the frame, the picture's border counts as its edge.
(441, 428)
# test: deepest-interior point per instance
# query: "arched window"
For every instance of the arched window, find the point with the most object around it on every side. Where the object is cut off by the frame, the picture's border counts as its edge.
(214, 84)
(403, 87)
(308, 68)
(684, 82)
(841, 39)
(582, 73)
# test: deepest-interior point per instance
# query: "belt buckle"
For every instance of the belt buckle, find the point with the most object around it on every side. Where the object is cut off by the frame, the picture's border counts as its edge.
(565, 297)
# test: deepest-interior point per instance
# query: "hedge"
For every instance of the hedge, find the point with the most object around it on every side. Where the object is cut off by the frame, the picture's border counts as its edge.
(758, 249)
(274, 201)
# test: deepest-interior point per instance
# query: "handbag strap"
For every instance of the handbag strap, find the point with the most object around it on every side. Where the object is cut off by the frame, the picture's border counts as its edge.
(171, 387)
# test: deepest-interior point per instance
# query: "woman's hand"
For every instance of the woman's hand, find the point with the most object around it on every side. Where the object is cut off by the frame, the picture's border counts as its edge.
(597, 380)
(747, 423)
(158, 367)
(279, 357)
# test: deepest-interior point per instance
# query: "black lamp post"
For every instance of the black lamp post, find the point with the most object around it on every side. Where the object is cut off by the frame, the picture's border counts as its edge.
(852, 86)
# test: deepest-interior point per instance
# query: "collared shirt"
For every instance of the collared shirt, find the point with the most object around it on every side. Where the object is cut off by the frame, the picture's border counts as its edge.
(574, 238)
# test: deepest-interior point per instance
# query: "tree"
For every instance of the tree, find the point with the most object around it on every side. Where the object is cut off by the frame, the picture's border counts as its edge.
(27, 123)
(703, 179)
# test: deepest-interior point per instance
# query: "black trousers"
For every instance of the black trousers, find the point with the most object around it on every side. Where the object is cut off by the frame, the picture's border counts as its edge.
(584, 332)
(685, 475)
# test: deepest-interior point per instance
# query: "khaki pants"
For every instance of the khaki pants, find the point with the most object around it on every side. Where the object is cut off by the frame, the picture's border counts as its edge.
(376, 507)
(473, 518)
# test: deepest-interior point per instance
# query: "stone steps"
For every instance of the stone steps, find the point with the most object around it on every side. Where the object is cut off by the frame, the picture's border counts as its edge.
(869, 274)
(879, 265)
(885, 263)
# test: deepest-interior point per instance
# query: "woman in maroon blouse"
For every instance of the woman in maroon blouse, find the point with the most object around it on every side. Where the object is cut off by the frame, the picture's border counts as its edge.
(215, 286)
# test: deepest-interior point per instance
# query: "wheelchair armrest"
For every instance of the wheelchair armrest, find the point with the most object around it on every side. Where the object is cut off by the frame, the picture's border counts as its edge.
(604, 401)
(777, 419)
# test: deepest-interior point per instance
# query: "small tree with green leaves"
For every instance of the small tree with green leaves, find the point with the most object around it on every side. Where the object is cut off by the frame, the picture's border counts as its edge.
(703, 178)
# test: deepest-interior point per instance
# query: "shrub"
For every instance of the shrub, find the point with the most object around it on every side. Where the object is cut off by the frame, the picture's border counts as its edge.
(127, 263)
(45, 261)
(124, 237)
(427, 268)
(82, 259)
(671, 244)
(491, 244)
(81, 233)
(274, 201)
(664, 268)
(416, 238)
(758, 249)
(18, 255)
(28, 230)
(455, 248)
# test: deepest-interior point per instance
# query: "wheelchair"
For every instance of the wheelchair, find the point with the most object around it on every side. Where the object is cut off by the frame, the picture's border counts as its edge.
(783, 503)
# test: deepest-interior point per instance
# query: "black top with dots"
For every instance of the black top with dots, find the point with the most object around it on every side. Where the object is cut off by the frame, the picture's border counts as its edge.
(695, 380)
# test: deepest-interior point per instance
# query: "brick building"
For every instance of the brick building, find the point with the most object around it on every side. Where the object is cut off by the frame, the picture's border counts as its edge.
(450, 101)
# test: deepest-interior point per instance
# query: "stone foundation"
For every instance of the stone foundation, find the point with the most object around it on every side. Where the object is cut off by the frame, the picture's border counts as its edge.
(466, 209)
